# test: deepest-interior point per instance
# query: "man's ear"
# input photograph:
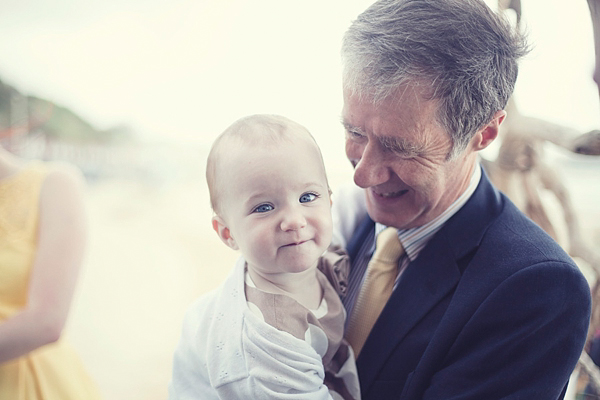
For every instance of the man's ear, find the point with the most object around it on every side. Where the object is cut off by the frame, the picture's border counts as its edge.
(486, 135)
(223, 232)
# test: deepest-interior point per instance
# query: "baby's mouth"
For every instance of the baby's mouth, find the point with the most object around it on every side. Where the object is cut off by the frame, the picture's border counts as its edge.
(295, 243)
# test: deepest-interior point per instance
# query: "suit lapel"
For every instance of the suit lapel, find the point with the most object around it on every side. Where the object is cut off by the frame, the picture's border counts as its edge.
(423, 285)
(427, 280)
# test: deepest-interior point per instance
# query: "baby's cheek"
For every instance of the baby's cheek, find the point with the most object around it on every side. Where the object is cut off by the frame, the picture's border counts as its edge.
(270, 239)
(324, 236)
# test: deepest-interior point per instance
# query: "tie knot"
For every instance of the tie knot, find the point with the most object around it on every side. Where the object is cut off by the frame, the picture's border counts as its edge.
(388, 249)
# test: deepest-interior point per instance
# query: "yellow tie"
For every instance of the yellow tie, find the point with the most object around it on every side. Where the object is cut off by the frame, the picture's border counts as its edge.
(376, 289)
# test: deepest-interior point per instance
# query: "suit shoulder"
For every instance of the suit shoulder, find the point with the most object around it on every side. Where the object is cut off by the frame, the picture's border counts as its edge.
(513, 236)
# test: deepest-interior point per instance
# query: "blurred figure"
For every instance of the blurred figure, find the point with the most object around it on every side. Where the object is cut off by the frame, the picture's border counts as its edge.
(42, 240)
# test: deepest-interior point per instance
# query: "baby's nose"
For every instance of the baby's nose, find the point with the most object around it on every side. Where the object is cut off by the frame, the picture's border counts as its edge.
(293, 220)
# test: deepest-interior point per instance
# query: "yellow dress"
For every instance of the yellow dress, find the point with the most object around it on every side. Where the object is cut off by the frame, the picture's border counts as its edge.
(52, 372)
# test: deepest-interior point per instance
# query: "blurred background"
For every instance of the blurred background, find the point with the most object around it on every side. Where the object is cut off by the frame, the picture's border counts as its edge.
(134, 91)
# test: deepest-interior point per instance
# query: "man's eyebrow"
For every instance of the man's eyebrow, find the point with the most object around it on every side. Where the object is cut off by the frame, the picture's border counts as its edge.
(351, 128)
(397, 145)
(400, 145)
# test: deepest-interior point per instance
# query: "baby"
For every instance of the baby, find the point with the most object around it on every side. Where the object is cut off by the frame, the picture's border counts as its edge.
(274, 328)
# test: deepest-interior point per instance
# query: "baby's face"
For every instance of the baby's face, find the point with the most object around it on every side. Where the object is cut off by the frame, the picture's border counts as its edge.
(276, 205)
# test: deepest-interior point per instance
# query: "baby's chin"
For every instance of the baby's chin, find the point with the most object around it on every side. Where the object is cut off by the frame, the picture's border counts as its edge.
(302, 268)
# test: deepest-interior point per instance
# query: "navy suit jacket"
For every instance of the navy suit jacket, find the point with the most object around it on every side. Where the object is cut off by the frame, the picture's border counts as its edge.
(492, 308)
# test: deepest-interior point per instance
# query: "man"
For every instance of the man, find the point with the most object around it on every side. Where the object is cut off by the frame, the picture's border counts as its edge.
(484, 304)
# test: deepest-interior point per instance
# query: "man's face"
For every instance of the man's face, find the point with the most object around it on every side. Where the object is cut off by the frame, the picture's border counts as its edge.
(399, 152)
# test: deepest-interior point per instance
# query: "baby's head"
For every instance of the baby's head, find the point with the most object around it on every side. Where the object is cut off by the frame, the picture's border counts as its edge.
(270, 195)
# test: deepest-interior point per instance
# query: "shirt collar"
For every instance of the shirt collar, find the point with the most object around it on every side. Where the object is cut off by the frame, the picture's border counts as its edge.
(414, 239)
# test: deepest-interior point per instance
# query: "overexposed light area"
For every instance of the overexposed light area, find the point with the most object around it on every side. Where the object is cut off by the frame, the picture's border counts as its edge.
(185, 69)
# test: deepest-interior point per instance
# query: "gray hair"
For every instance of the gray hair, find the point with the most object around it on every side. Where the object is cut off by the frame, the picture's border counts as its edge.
(463, 52)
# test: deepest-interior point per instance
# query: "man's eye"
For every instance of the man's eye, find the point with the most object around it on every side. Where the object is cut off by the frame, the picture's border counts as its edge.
(354, 135)
(263, 208)
(308, 197)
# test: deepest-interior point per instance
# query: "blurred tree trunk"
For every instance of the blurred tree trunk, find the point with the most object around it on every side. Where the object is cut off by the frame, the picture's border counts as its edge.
(595, 12)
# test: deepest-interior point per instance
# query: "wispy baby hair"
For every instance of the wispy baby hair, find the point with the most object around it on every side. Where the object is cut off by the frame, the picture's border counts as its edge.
(250, 131)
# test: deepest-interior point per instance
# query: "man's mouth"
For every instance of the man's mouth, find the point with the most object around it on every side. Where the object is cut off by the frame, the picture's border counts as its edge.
(389, 195)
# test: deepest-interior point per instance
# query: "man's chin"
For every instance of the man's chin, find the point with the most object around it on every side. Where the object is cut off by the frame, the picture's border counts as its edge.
(381, 216)
(391, 213)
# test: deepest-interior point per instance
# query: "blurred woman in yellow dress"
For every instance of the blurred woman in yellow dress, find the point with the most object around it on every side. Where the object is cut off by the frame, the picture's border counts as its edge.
(42, 240)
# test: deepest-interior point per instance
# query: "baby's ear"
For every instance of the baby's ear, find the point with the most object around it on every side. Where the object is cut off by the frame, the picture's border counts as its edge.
(223, 231)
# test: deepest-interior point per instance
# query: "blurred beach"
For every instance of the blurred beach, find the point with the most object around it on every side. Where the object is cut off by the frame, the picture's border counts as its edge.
(151, 252)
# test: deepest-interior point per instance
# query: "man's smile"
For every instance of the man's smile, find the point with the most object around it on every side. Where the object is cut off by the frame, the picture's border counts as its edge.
(389, 195)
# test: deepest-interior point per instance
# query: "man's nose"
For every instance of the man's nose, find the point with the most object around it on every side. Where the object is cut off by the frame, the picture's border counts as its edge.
(370, 169)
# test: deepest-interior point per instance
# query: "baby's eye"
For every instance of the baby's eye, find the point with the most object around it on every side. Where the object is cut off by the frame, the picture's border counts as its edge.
(263, 208)
(308, 197)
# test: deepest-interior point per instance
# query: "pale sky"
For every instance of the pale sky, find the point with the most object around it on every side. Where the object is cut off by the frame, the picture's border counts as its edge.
(185, 69)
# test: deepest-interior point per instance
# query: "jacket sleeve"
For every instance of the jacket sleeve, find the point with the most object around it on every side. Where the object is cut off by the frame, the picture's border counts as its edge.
(522, 342)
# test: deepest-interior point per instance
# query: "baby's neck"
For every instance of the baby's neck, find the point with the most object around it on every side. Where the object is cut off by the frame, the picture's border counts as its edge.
(304, 287)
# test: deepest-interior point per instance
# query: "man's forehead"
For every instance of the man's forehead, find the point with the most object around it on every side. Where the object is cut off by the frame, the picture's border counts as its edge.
(384, 119)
